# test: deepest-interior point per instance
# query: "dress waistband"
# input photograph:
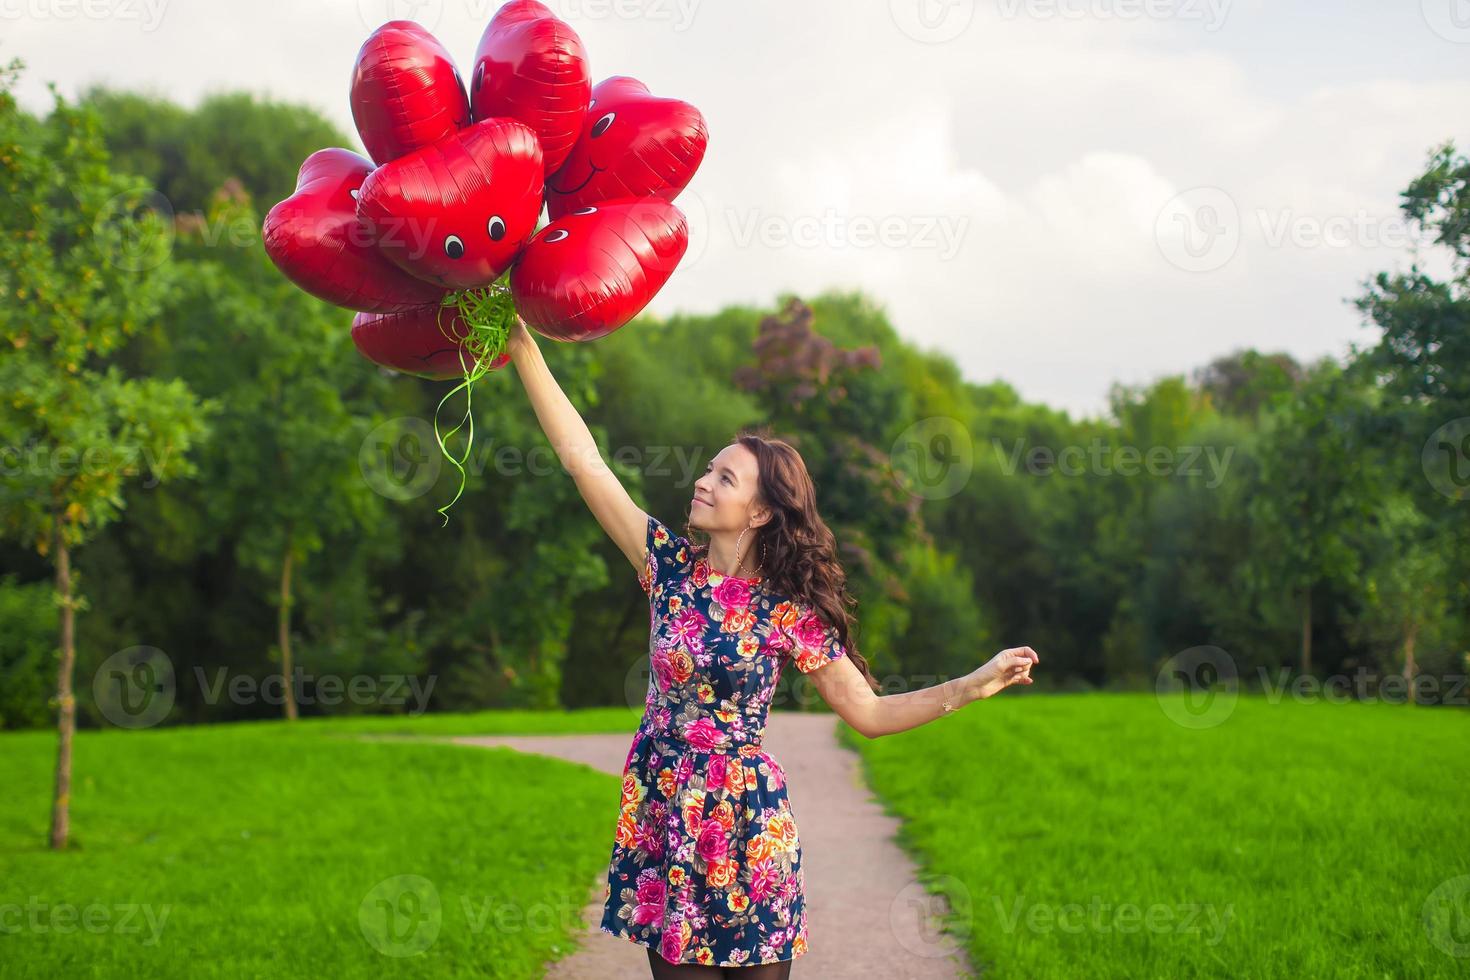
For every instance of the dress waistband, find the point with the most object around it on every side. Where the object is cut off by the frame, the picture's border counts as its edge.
(703, 735)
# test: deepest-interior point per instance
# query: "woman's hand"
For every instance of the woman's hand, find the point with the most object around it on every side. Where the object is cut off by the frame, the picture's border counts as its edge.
(520, 339)
(1010, 666)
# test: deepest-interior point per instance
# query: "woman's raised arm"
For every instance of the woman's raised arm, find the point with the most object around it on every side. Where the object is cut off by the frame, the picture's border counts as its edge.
(623, 520)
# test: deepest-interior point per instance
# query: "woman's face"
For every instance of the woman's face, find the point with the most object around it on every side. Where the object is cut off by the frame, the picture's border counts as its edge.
(724, 494)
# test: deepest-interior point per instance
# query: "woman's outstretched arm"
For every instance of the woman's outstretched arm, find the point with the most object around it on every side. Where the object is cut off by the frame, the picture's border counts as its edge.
(843, 687)
(623, 520)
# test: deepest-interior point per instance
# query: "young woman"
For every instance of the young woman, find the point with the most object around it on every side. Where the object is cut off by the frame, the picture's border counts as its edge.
(706, 861)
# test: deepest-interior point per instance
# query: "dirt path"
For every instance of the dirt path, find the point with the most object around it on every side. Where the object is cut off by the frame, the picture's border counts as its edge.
(867, 915)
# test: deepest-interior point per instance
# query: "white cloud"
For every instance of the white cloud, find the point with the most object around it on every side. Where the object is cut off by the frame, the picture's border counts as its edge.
(998, 193)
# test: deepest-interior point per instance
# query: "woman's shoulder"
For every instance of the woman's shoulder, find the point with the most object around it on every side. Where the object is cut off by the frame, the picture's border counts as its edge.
(669, 555)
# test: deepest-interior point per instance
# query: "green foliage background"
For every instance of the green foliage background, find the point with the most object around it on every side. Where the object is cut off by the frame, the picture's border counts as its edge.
(1320, 526)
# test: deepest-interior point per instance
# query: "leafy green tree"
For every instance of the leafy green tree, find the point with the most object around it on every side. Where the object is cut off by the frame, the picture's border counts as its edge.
(82, 273)
(1314, 492)
(189, 154)
(285, 480)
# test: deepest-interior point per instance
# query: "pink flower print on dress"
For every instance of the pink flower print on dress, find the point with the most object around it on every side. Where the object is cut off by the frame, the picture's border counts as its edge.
(732, 593)
(703, 735)
(687, 628)
(764, 878)
(809, 631)
(650, 907)
(715, 773)
(712, 845)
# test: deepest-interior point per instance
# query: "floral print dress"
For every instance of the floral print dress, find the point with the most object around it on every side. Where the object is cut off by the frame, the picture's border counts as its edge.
(706, 861)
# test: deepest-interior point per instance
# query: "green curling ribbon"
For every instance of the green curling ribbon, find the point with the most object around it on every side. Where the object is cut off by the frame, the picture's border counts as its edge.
(488, 313)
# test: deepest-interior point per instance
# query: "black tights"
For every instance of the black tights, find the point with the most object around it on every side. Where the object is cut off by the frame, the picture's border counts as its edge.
(664, 970)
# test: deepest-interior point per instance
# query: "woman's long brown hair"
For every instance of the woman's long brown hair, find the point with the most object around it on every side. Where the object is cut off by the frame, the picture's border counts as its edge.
(798, 551)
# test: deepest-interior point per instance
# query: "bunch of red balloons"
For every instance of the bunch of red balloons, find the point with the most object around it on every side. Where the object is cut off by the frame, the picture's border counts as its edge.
(435, 238)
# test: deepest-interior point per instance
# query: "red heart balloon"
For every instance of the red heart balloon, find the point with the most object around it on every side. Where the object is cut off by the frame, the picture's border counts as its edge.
(457, 213)
(425, 341)
(633, 144)
(314, 237)
(406, 92)
(532, 67)
(590, 272)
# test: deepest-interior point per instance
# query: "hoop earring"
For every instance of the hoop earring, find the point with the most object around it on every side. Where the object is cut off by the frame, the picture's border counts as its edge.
(740, 563)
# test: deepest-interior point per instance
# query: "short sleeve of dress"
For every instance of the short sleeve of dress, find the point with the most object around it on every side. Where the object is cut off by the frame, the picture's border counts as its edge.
(667, 556)
(814, 643)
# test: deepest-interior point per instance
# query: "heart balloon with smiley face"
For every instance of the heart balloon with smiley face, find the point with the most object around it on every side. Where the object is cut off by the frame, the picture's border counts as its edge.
(594, 269)
(315, 238)
(433, 240)
(633, 144)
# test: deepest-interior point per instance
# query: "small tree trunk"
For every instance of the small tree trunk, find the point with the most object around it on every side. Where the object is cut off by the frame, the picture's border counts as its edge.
(283, 633)
(1306, 664)
(1409, 669)
(66, 721)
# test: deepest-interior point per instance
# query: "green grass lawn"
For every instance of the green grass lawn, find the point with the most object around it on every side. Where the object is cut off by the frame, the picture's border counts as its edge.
(1090, 836)
(250, 850)
(1074, 836)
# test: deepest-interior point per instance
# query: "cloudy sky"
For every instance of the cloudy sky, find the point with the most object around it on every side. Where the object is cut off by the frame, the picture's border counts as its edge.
(1058, 193)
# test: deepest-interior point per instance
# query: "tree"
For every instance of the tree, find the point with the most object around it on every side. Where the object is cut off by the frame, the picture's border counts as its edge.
(1314, 490)
(82, 273)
